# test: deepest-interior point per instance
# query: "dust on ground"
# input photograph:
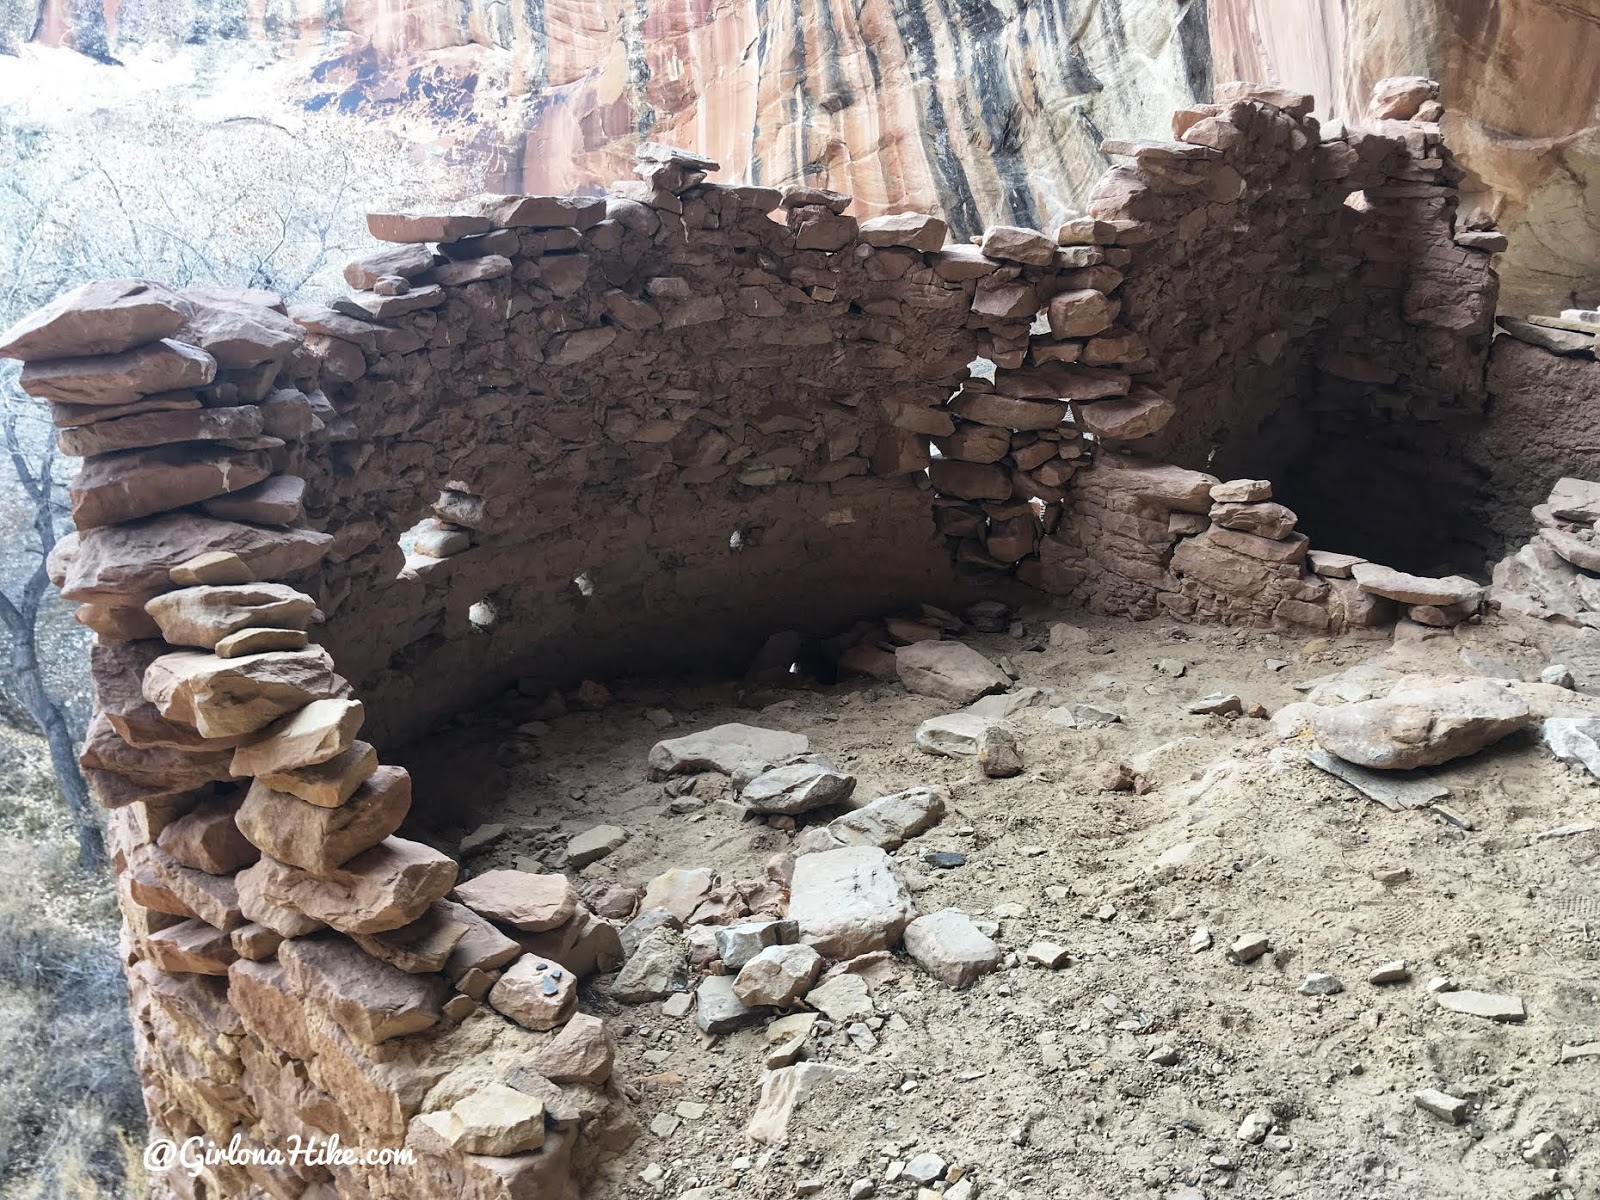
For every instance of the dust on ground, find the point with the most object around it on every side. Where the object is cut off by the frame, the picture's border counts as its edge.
(1036, 1082)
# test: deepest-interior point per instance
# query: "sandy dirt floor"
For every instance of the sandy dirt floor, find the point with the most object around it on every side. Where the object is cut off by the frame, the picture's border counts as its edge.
(1038, 1082)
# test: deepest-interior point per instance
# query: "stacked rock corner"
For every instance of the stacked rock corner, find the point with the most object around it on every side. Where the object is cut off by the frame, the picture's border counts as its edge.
(563, 434)
(294, 968)
(1263, 249)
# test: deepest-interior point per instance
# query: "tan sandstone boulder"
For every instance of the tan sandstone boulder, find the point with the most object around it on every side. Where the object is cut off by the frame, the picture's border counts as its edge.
(321, 840)
(224, 697)
(1421, 726)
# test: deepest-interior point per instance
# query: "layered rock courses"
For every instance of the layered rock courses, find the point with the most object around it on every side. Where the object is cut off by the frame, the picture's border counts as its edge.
(561, 436)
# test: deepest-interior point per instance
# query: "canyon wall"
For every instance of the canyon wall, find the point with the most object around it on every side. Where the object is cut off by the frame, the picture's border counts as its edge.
(979, 114)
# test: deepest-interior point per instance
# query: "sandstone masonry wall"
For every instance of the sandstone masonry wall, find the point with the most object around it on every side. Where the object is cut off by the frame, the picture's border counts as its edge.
(551, 437)
(1286, 282)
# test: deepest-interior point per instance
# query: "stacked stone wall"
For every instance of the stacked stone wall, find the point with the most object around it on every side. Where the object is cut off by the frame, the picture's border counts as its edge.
(552, 437)
(1290, 283)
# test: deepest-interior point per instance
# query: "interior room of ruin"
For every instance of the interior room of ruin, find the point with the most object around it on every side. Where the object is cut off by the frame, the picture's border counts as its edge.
(484, 660)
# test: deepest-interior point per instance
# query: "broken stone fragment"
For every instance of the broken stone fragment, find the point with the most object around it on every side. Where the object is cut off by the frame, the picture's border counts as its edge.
(327, 784)
(256, 887)
(1085, 231)
(1332, 566)
(1143, 413)
(1007, 413)
(425, 226)
(322, 840)
(107, 316)
(321, 730)
(278, 500)
(970, 481)
(470, 270)
(718, 1008)
(1581, 550)
(497, 1120)
(1487, 1005)
(1573, 499)
(1264, 519)
(536, 993)
(800, 196)
(842, 997)
(915, 231)
(1398, 97)
(732, 749)
(68, 416)
(782, 1092)
(123, 378)
(737, 944)
(371, 1000)
(1015, 244)
(581, 1053)
(224, 697)
(156, 881)
(407, 261)
(1320, 983)
(521, 898)
(260, 641)
(191, 948)
(1415, 589)
(143, 772)
(1419, 726)
(778, 976)
(421, 948)
(890, 821)
(1248, 947)
(1390, 972)
(679, 891)
(998, 754)
(594, 844)
(255, 942)
(482, 948)
(128, 484)
(383, 888)
(797, 787)
(160, 429)
(435, 539)
(236, 330)
(207, 839)
(212, 567)
(955, 735)
(951, 671)
(1081, 313)
(948, 946)
(1574, 740)
(1241, 491)
(849, 901)
(542, 212)
(117, 563)
(658, 966)
(1442, 1105)
(1491, 241)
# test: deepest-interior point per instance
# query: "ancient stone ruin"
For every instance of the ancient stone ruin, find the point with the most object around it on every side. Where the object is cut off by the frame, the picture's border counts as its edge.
(680, 425)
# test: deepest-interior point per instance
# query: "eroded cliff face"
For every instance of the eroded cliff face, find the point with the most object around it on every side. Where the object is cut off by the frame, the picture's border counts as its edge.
(1522, 94)
(982, 113)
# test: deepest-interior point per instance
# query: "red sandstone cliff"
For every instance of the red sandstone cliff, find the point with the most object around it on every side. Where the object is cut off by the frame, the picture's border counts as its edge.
(983, 113)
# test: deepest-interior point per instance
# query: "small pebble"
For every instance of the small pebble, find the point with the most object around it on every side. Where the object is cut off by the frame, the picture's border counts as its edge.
(1390, 972)
(1248, 947)
(1320, 983)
